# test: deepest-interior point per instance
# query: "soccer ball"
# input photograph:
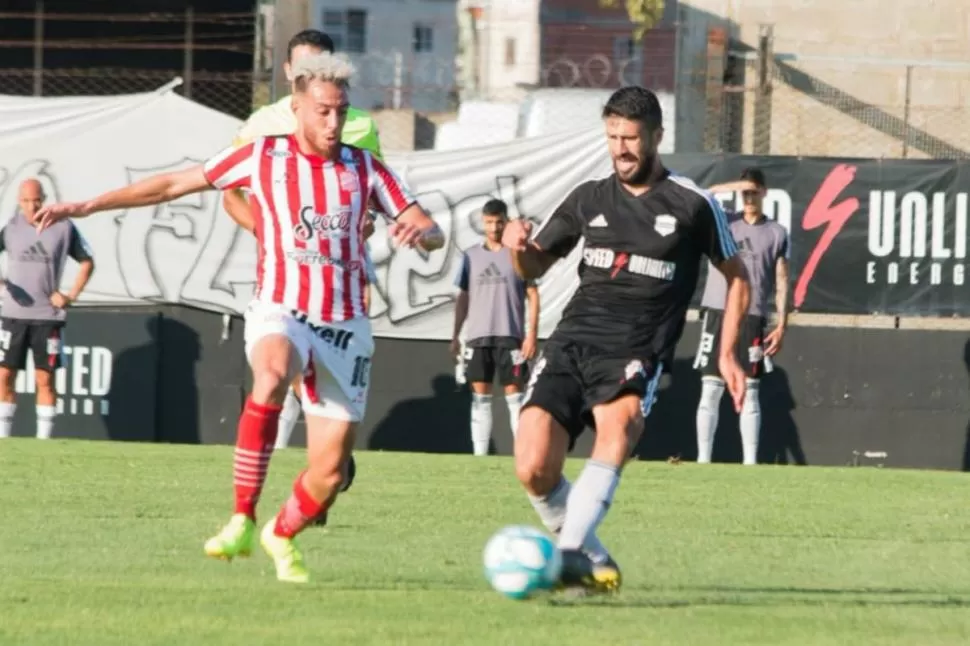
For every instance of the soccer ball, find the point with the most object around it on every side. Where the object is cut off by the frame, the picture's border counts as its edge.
(520, 561)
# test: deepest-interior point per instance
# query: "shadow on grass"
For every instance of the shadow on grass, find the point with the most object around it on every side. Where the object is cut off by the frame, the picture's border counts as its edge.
(780, 596)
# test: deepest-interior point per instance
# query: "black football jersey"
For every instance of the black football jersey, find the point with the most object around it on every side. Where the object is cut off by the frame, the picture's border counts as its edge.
(640, 263)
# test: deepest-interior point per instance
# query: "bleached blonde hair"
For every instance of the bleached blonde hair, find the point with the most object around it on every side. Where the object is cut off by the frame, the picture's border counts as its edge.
(332, 68)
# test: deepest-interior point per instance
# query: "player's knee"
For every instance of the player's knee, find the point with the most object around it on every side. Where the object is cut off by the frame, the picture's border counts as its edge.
(270, 384)
(536, 464)
(712, 389)
(752, 399)
(326, 475)
(44, 382)
(8, 379)
(619, 426)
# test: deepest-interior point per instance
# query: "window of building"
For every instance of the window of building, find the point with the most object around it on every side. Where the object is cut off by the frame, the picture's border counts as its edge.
(510, 51)
(423, 39)
(348, 28)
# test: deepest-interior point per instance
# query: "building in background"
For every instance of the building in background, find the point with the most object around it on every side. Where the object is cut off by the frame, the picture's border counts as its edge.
(501, 48)
(830, 81)
(586, 45)
(405, 51)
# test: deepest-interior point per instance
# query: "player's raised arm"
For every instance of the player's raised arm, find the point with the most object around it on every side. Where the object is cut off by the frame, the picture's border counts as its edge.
(412, 225)
(228, 169)
(717, 242)
(554, 239)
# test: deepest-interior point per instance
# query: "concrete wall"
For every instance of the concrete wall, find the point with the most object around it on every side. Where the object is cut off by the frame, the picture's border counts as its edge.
(847, 92)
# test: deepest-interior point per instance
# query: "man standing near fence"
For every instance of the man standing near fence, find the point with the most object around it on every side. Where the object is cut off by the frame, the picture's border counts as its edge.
(764, 249)
(492, 301)
(34, 310)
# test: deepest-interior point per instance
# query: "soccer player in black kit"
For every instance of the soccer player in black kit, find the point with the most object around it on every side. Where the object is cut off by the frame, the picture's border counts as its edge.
(645, 232)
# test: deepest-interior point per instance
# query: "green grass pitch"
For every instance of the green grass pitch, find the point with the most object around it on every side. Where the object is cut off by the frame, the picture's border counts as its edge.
(101, 543)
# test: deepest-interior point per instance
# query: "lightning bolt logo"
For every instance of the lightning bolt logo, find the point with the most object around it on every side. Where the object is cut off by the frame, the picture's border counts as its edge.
(822, 210)
(619, 263)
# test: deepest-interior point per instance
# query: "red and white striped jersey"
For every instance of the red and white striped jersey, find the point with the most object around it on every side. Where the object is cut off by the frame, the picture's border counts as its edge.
(310, 215)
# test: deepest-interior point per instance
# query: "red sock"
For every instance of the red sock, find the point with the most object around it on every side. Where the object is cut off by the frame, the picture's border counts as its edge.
(254, 447)
(298, 511)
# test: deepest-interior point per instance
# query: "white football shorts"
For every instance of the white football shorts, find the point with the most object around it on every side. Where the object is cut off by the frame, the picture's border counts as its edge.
(335, 358)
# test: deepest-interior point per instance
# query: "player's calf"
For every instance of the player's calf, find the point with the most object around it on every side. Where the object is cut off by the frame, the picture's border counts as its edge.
(619, 424)
(329, 443)
(8, 402)
(46, 403)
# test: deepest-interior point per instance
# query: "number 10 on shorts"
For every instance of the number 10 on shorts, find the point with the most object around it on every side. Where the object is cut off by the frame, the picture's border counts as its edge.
(361, 372)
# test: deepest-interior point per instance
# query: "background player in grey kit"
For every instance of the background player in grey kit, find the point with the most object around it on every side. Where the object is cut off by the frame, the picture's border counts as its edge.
(491, 304)
(33, 310)
(764, 249)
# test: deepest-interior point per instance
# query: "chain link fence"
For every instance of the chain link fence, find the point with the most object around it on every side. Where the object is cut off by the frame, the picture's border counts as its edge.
(228, 92)
(841, 107)
(438, 78)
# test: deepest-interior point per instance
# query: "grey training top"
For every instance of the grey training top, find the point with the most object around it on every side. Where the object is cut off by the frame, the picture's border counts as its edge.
(35, 265)
(760, 246)
(496, 298)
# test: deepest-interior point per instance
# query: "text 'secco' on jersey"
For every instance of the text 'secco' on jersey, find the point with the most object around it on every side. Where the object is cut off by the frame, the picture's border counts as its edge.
(640, 264)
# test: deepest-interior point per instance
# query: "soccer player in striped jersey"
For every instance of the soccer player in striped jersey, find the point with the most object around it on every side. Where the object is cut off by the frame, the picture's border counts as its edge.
(309, 196)
(278, 118)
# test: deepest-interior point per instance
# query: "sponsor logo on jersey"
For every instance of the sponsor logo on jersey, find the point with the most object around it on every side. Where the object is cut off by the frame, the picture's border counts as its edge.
(310, 257)
(598, 221)
(633, 369)
(633, 263)
(665, 224)
(335, 337)
(491, 275)
(323, 224)
(35, 253)
(282, 154)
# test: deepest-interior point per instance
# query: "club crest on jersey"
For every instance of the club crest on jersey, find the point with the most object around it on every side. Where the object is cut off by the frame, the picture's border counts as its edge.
(665, 224)
(633, 369)
(348, 181)
(323, 224)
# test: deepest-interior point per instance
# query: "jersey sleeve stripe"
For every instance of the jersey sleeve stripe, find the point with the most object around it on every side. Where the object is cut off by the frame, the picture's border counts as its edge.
(726, 240)
(388, 188)
(229, 169)
(728, 246)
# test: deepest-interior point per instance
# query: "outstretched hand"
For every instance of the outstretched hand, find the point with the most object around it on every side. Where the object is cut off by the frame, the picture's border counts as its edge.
(516, 234)
(404, 235)
(52, 213)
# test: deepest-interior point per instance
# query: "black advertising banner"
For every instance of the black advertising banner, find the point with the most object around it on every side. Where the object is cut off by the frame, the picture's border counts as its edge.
(106, 388)
(867, 236)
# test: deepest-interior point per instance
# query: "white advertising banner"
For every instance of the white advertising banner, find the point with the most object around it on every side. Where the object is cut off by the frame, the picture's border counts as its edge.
(189, 251)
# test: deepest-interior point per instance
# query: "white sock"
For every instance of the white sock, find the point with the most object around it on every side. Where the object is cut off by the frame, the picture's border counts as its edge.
(552, 511)
(588, 503)
(289, 416)
(45, 421)
(514, 402)
(750, 423)
(481, 423)
(712, 389)
(7, 411)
